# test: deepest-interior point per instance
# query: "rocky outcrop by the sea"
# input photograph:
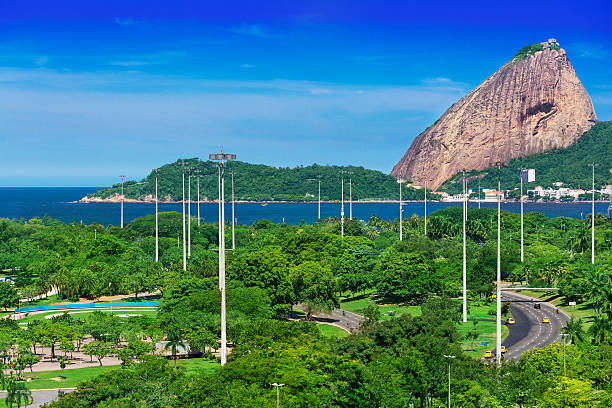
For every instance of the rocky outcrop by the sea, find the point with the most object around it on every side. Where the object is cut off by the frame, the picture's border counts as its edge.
(532, 104)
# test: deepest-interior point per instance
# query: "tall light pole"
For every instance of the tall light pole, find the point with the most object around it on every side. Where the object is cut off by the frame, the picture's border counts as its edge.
(425, 207)
(319, 213)
(464, 251)
(350, 198)
(342, 209)
(479, 193)
(319, 210)
(400, 211)
(184, 232)
(156, 221)
(189, 216)
(498, 293)
(222, 157)
(593, 218)
(277, 386)
(522, 236)
(122, 177)
(449, 378)
(198, 177)
(563, 336)
(233, 217)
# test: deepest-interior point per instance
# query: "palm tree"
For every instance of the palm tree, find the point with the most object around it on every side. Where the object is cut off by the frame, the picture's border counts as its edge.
(600, 330)
(574, 329)
(174, 341)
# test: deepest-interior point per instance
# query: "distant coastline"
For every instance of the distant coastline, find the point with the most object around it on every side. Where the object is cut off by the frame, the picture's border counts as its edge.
(117, 200)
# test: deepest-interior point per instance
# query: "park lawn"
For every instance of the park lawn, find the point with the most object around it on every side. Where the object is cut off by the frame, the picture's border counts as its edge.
(331, 331)
(479, 310)
(358, 303)
(202, 365)
(41, 316)
(70, 378)
(582, 310)
(49, 300)
(63, 378)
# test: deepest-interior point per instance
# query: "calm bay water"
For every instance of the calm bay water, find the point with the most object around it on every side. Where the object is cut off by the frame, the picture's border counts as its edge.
(59, 203)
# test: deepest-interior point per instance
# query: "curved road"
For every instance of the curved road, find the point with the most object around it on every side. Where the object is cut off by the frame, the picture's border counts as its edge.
(529, 332)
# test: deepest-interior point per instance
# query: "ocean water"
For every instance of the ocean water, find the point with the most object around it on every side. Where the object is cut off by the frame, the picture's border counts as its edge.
(60, 203)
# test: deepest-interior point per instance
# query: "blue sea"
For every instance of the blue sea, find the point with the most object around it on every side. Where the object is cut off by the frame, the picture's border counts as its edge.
(61, 203)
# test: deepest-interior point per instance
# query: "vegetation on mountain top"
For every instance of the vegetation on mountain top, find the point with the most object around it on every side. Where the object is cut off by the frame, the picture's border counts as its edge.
(527, 50)
(258, 182)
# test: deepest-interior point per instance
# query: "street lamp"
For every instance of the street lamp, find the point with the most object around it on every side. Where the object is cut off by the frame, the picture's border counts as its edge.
(222, 158)
(277, 386)
(184, 238)
(593, 218)
(342, 208)
(156, 221)
(464, 250)
(563, 336)
(522, 234)
(233, 217)
(197, 172)
(319, 179)
(400, 211)
(350, 197)
(122, 177)
(189, 213)
(498, 295)
(449, 379)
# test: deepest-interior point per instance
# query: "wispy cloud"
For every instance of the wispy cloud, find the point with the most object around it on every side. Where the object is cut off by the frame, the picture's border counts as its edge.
(249, 66)
(126, 21)
(129, 63)
(41, 61)
(588, 50)
(252, 30)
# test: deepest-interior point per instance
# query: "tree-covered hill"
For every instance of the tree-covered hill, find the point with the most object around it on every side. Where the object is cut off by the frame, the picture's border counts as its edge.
(258, 182)
(570, 166)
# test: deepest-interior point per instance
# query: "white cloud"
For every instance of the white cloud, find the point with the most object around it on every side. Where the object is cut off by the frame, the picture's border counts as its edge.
(588, 50)
(42, 60)
(129, 63)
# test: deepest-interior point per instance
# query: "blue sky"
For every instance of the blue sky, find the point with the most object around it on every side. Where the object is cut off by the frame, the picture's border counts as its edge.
(90, 90)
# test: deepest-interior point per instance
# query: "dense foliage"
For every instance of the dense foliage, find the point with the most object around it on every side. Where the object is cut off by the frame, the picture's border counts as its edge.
(258, 182)
(391, 363)
(571, 166)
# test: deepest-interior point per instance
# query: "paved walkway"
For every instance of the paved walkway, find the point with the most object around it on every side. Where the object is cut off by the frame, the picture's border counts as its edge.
(341, 318)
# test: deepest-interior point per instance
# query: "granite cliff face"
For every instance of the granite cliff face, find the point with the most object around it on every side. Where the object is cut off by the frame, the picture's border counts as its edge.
(532, 104)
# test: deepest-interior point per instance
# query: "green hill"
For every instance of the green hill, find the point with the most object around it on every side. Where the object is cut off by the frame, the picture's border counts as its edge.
(256, 182)
(570, 166)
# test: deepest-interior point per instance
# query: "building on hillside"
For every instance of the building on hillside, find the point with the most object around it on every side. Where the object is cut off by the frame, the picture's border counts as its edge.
(528, 175)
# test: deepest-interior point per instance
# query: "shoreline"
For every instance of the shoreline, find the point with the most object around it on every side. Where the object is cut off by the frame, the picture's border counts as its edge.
(115, 200)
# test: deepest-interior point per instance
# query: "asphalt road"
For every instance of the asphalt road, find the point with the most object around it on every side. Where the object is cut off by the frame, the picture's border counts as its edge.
(529, 332)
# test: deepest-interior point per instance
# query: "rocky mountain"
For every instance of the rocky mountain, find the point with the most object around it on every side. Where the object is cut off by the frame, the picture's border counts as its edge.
(534, 103)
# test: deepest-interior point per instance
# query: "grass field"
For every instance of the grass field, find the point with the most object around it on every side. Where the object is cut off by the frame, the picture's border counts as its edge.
(358, 303)
(582, 310)
(62, 378)
(72, 377)
(41, 316)
(331, 331)
(478, 310)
